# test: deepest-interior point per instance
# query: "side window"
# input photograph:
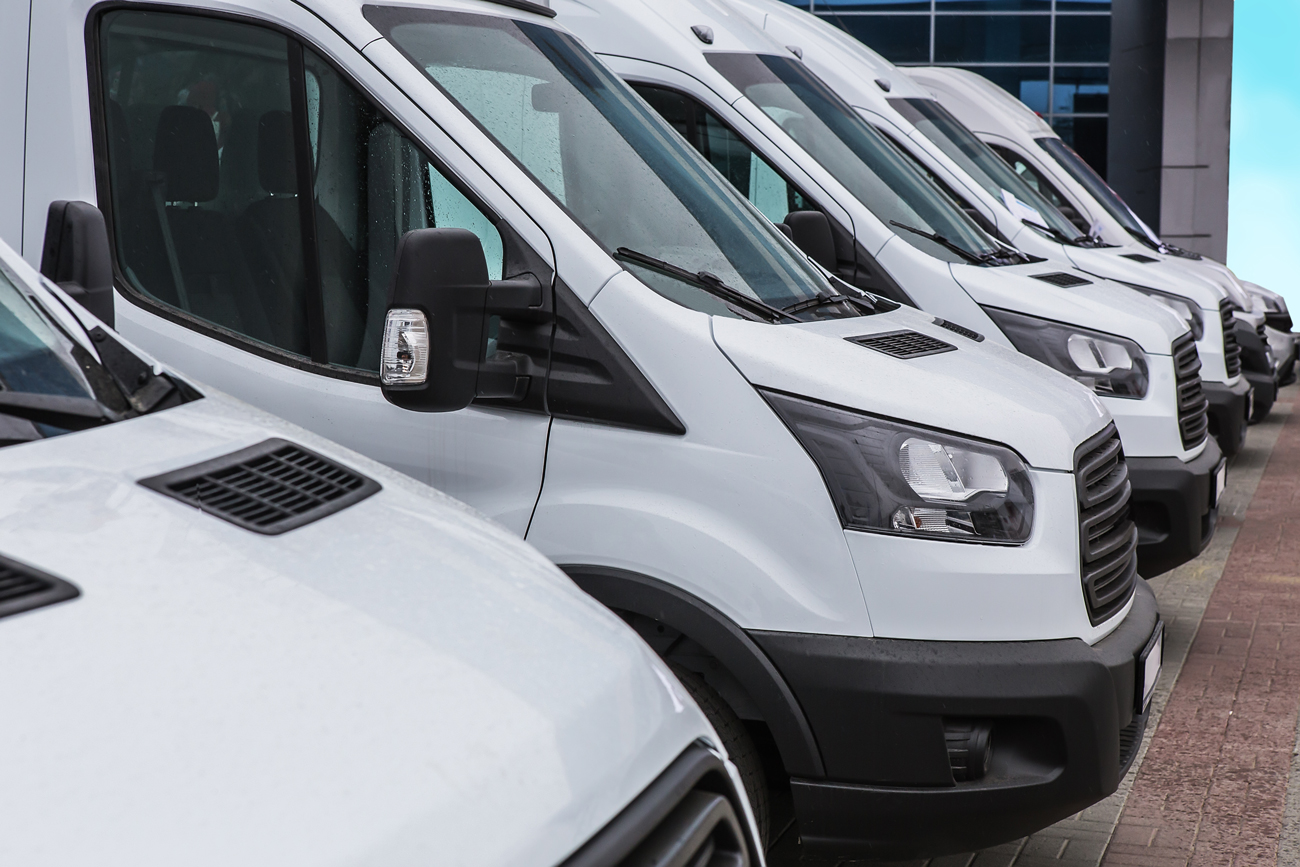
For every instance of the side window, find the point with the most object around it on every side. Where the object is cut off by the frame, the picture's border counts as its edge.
(748, 172)
(254, 188)
(1044, 187)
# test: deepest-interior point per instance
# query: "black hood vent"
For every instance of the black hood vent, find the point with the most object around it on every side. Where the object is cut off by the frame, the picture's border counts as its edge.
(1138, 257)
(903, 344)
(1060, 278)
(23, 588)
(268, 488)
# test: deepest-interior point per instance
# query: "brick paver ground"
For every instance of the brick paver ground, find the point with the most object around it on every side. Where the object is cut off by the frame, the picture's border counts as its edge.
(1247, 770)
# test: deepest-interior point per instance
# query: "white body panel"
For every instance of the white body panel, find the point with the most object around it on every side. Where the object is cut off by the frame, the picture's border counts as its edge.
(398, 682)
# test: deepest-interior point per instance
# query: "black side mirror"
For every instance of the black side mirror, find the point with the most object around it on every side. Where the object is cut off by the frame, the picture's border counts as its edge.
(433, 357)
(76, 256)
(811, 232)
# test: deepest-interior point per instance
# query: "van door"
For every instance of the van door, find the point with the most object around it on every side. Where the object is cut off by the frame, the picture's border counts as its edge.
(255, 194)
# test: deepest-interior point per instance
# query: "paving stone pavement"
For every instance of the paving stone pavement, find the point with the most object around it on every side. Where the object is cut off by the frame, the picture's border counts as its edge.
(1099, 832)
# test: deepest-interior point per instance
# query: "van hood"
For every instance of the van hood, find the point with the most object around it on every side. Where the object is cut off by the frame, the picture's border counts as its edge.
(399, 682)
(979, 390)
(1101, 305)
(1110, 263)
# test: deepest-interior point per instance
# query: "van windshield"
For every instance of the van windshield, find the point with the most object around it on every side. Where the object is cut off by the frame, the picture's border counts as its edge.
(1100, 190)
(623, 174)
(983, 164)
(857, 155)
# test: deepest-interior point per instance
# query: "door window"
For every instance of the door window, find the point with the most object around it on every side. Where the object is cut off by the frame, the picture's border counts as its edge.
(748, 172)
(253, 188)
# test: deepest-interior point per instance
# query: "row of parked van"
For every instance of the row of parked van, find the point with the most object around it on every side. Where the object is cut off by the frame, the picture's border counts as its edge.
(827, 415)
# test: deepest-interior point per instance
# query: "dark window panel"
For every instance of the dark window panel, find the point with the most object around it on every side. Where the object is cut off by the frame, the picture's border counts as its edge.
(1082, 5)
(1087, 135)
(993, 6)
(1004, 38)
(900, 38)
(1081, 90)
(1026, 83)
(1082, 38)
(831, 6)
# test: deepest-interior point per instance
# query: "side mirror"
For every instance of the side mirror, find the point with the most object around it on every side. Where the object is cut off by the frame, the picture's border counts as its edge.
(433, 356)
(76, 256)
(811, 232)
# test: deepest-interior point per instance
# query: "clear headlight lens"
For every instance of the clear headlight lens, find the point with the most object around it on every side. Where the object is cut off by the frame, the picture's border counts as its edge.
(1186, 308)
(888, 477)
(1110, 365)
(404, 352)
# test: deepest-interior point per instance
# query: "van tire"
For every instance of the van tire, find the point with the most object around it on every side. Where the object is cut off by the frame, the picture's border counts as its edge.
(737, 741)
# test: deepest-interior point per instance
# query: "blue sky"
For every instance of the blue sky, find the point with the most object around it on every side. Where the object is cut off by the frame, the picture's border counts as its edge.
(1264, 167)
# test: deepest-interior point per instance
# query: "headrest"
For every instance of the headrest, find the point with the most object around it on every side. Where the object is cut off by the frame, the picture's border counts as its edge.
(276, 169)
(185, 151)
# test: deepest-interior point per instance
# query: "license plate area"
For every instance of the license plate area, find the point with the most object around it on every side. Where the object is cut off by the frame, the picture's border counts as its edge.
(1149, 662)
(1220, 482)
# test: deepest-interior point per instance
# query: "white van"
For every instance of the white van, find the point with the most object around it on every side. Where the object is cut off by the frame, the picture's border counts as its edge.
(981, 107)
(446, 235)
(1007, 206)
(229, 641)
(800, 154)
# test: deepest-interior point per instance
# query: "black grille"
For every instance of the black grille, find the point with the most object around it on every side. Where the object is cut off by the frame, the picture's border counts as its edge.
(23, 588)
(1193, 421)
(1138, 257)
(1231, 350)
(904, 344)
(1280, 321)
(1107, 534)
(690, 815)
(1262, 334)
(268, 488)
(959, 329)
(1060, 278)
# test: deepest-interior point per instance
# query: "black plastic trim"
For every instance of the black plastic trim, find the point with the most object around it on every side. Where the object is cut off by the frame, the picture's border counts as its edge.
(630, 592)
(50, 589)
(1227, 412)
(1171, 506)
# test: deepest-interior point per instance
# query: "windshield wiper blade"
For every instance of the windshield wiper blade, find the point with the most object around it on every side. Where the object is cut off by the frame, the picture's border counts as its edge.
(710, 283)
(1142, 237)
(1077, 241)
(56, 410)
(973, 258)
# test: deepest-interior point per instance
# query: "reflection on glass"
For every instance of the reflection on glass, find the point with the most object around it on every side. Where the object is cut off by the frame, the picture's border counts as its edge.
(1081, 90)
(898, 38)
(1082, 38)
(995, 38)
(1087, 135)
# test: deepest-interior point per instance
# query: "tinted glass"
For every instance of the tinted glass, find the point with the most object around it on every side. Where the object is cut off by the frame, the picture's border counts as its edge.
(35, 357)
(993, 5)
(1082, 38)
(1042, 186)
(853, 151)
(1093, 183)
(898, 38)
(978, 160)
(749, 173)
(1087, 135)
(623, 173)
(998, 38)
(1081, 90)
(201, 151)
(1029, 84)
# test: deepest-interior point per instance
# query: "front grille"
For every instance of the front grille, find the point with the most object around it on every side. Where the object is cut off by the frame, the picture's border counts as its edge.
(1107, 534)
(23, 588)
(1060, 278)
(1231, 350)
(690, 815)
(1193, 419)
(1262, 334)
(1280, 321)
(959, 329)
(903, 344)
(268, 488)
(1138, 257)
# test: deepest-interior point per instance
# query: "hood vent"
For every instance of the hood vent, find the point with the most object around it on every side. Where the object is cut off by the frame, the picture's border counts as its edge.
(1138, 257)
(1060, 278)
(968, 333)
(23, 588)
(269, 488)
(903, 344)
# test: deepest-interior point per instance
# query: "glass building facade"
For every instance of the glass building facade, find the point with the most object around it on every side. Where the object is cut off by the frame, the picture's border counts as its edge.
(1052, 54)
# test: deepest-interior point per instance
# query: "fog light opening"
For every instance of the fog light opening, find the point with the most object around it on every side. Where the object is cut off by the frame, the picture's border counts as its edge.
(970, 748)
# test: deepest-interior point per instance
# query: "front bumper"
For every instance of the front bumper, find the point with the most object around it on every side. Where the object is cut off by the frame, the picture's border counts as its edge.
(1265, 385)
(1228, 412)
(1175, 506)
(1065, 727)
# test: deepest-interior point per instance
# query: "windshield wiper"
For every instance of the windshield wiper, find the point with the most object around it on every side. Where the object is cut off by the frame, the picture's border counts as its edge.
(973, 258)
(710, 283)
(56, 410)
(1077, 241)
(1142, 237)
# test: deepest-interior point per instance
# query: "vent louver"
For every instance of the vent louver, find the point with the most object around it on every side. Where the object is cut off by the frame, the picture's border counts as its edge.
(1193, 419)
(969, 333)
(1107, 535)
(1060, 278)
(1138, 257)
(1231, 349)
(903, 344)
(23, 588)
(268, 488)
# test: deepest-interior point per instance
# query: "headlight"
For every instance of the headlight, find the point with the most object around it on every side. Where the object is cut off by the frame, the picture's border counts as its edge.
(887, 477)
(1108, 364)
(1186, 308)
